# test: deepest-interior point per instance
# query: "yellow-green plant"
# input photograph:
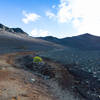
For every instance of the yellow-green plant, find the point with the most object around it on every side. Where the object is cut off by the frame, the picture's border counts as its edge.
(37, 59)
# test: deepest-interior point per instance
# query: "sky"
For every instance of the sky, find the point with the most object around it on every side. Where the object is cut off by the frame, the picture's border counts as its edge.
(58, 18)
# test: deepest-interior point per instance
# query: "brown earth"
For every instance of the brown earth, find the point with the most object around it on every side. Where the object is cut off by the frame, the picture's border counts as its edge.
(20, 84)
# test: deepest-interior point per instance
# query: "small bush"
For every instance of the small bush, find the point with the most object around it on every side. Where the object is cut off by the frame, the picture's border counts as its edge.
(37, 59)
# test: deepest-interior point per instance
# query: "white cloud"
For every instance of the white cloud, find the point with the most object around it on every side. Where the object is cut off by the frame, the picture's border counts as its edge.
(50, 15)
(83, 14)
(76, 23)
(64, 14)
(30, 17)
(88, 11)
(39, 33)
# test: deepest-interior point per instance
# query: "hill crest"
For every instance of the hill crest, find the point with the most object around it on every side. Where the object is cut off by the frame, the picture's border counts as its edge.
(12, 30)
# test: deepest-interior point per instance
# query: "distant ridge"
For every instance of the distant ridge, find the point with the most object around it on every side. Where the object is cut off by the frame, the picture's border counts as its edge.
(84, 42)
(12, 30)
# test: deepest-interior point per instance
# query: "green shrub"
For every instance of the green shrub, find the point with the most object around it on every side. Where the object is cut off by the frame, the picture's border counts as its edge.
(37, 59)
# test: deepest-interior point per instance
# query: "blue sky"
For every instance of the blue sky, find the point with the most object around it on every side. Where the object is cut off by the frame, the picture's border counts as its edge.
(59, 18)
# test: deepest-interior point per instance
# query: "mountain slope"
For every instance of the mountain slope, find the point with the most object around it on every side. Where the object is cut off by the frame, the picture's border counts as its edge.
(15, 39)
(83, 42)
(12, 30)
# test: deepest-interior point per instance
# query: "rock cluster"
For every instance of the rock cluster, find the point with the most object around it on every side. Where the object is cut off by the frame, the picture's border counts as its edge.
(86, 84)
(12, 30)
(42, 69)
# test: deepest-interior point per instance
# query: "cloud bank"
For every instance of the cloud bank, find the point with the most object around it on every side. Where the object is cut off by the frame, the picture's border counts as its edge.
(39, 33)
(30, 17)
(82, 14)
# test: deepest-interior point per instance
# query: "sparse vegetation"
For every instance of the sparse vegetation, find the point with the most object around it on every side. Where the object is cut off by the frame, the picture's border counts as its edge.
(37, 59)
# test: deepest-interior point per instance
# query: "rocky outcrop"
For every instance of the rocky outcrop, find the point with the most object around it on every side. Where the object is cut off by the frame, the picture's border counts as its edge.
(18, 30)
(86, 84)
(42, 69)
(12, 30)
